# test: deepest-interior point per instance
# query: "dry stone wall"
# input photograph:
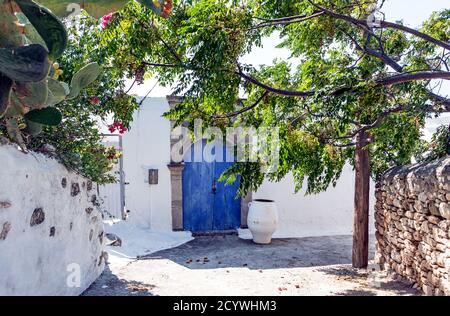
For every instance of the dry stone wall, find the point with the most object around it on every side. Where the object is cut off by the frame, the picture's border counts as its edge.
(412, 219)
(51, 233)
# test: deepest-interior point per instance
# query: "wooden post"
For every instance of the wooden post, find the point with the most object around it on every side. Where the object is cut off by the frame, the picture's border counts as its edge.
(360, 253)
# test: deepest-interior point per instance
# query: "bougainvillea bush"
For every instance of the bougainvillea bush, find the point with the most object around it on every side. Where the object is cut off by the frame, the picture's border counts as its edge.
(78, 88)
(77, 140)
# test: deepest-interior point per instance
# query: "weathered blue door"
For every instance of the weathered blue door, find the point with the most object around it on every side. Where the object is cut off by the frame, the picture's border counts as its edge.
(209, 205)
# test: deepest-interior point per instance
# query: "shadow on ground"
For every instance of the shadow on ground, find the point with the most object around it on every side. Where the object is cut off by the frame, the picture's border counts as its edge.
(110, 285)
(369, 281)
(227, 265)
(230, 251)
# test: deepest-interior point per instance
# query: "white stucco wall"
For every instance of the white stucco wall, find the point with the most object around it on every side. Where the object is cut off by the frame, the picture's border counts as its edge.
(39, 259)
(325, 214)
(147, 146)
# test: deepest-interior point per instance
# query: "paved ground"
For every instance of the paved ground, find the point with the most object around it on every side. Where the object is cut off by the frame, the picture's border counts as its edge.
(227, 265)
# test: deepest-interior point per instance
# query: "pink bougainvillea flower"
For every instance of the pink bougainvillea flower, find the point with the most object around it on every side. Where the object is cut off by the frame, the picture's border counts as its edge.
(167, 9)
(117, 126)
(94, 100)
(105, 19)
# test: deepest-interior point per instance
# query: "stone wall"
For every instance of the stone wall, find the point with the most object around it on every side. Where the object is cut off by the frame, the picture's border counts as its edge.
(412, 219)
(51, 233)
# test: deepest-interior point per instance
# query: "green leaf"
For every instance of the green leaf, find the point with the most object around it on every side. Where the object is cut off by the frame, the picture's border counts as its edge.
(25, 64)
(46, 116)
(33, 128)
(16, 108)
(158, 8)
(84, 77)
(32, 94)
(56, 92)
(5, 93)
(10, 35)
(31, 35)
(97, 8)
(49, 27)
(12, 127)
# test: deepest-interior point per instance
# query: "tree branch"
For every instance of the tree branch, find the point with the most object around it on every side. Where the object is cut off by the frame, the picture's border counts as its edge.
(246, 109)
(166, 45)
(287, 20)
(363, 24)
(441, 100)
(162, 65)
(409, 30)
(380, 55)
(258, 83)
(416, 76)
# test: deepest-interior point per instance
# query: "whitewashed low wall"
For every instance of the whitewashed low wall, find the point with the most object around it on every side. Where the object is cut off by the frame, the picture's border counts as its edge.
(51, 234)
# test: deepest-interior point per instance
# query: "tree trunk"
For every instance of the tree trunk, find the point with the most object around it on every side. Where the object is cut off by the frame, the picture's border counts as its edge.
(360, 254)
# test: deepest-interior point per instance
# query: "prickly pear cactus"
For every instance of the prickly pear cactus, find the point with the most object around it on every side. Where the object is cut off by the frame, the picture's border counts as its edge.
(35, 38)
(31, 40)
(98, 8)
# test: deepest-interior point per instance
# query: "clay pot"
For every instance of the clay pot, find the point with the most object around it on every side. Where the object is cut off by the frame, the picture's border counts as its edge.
(262, 220)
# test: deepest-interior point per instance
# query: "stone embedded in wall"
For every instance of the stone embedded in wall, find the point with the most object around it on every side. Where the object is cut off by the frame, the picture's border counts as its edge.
(103, 258)
(89, 210)
(3, 141)
(113, 240)
(5, 204)
(91, 234)
(444, 209)
(43, 203)
(6, 227)
(75, 189)
(412, 219)
(89, 185)
(100, 237)
(38, 217)
(64, 183)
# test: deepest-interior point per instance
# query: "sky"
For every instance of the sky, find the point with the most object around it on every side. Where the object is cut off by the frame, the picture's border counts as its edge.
(412, 12)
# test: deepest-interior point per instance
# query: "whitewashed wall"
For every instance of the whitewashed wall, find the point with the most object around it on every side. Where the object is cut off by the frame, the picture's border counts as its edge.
(325, 214)
(49, 230)
(147, 146)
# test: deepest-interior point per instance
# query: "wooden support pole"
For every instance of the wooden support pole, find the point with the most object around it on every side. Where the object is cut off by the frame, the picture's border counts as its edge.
(360, 253)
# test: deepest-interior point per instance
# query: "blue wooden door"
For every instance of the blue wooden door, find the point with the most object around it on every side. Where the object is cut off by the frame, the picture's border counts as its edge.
(209, 205)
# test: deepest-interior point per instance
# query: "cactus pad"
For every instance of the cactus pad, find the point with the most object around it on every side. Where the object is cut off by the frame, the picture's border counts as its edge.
(84, 77)
(5, 92)
(46, 116)
(49, 27)
(25, 64)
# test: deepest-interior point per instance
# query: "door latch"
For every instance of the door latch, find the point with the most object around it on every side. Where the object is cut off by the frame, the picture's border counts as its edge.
(214, 187)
